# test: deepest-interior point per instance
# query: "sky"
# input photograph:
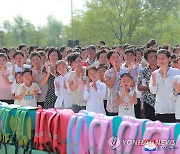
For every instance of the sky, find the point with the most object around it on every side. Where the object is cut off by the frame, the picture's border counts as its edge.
(36, 11)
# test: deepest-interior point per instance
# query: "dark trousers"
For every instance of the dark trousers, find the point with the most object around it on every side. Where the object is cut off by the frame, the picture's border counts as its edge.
(137, 109)
(8, 101)
(166, 117)
(40, 103)
(178, 120)
(105, 104)
(111, 114)
(149, 112)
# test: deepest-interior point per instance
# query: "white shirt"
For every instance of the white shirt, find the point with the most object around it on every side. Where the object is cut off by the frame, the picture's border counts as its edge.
(95, 98)
(64, 95)
(177, 98)
(126, 108)
(14, 88)
(29, 98)
(164, 86)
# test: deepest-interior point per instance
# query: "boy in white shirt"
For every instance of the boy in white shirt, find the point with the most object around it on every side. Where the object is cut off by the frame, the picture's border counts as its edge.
(28, 91)
(94, 92)
(64, 99)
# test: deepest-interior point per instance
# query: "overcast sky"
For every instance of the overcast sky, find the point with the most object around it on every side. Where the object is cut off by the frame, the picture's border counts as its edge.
(37, 11)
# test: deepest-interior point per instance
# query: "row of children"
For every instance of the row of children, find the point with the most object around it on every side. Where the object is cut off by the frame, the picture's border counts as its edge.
(113, 82)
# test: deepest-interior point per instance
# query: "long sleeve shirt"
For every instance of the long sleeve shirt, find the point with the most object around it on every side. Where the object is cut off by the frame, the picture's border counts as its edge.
(95, 98)
(164, 86)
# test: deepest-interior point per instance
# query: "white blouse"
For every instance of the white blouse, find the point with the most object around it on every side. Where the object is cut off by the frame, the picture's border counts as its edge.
(164, 86)
(177, 98)
(64, 95)
(95, 98)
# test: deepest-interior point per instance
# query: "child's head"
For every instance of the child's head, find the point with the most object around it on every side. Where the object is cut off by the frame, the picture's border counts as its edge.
(102, 57)
(129, 56)
(92, 73)
(176, 51)
(27, 76)
(126, 80)
(19, 58)
(23, 49)
(163, 57)
(35, 59)
(3, 60)
(91, 51)
(61, 67)
(113, 57)
(101, 70)
(152, 44)
(18, 76)
(75, 60)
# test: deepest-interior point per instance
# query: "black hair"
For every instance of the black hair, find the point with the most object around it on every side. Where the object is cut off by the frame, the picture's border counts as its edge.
(52, 50)
(73, 56)
(31, 48)
(126, 75)
(91, 67)
(61, 49)
(21, 46)
(131, 50)
(164, 51)
(150, 43)
(138, 49)
(35, 54)
(173, 56)
(175, 48)
(41, 53)
(91, 47)
(99, 53)
(18, 53)
(102, 66)
(147, 52)
(27, 70)
(17, 74)
(2, 50)
(3, 55)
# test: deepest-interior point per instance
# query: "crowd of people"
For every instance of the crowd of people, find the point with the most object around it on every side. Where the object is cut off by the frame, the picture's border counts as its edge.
(121, 80)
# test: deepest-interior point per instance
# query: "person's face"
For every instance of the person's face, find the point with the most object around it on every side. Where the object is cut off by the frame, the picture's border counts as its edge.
(27, 78)
(19, 59)
(126, 82)
(10, 54)
(64, 53)
(103, 58)
(138, 56)
(93, 75)
(3, 62)
(151, 58)
(43, 60)
(62, 69)
(19, 78)
(84, 55)
(77, 64)
(24, 51)
(129, 57)
(101, 72)
(91, 53)
(177, 52)
(53, 57)
(36, 61)
(174, 64)
(120, 51)
(115, 58)
(163, 60)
